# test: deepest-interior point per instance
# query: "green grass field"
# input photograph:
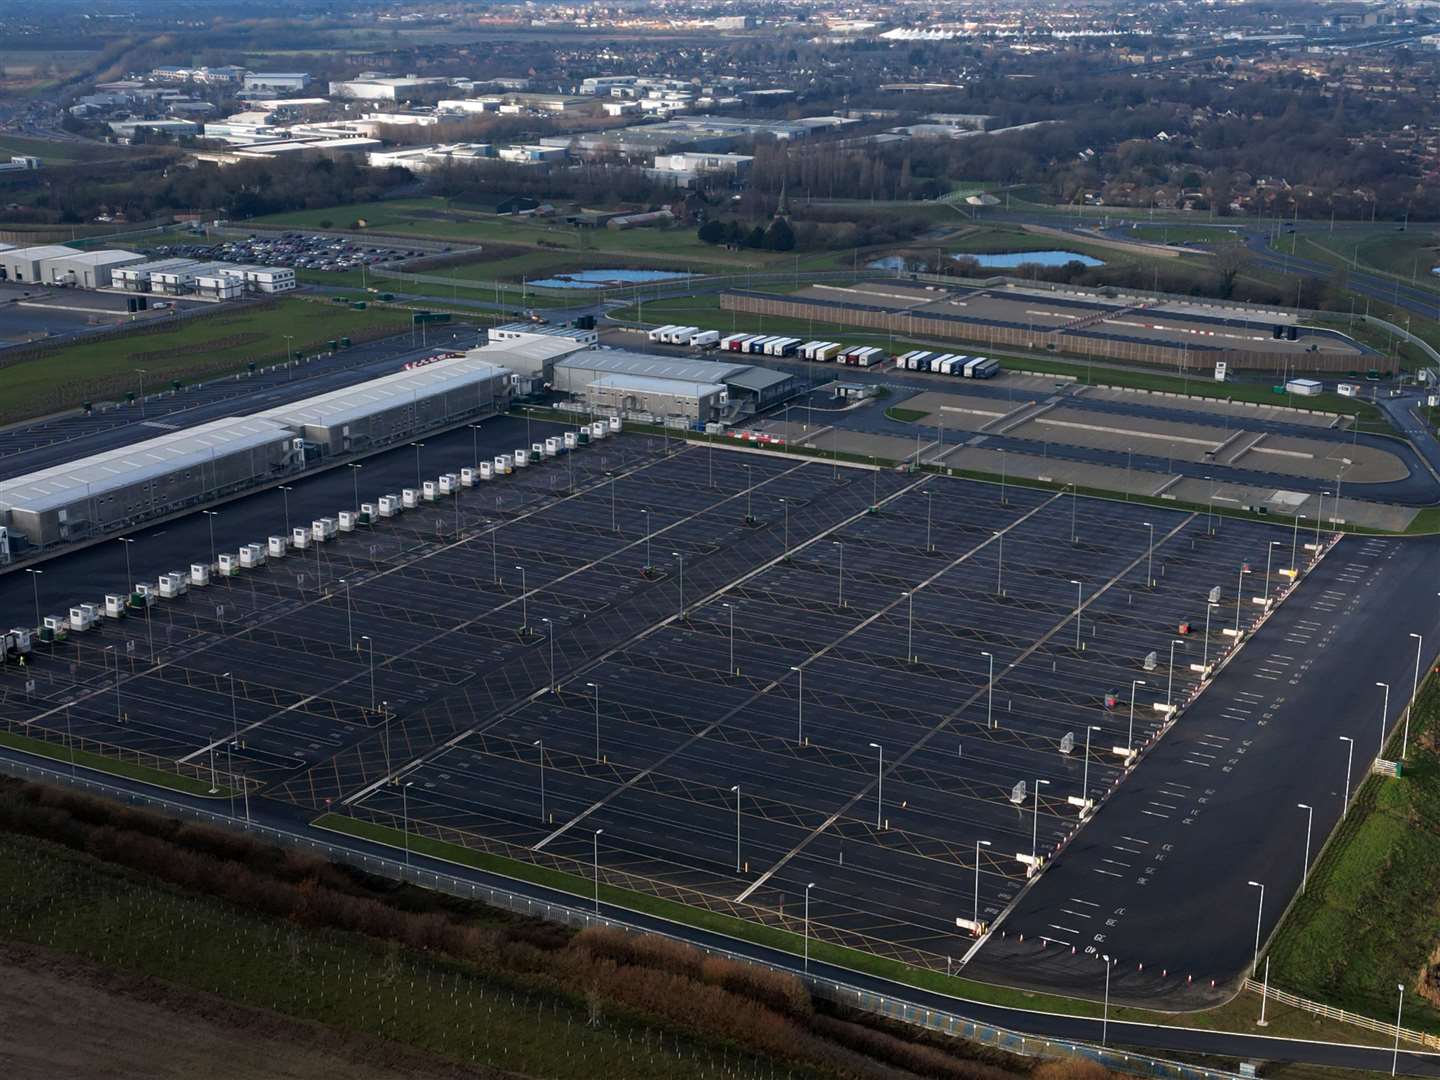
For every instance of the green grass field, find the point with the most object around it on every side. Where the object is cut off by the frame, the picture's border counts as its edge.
(1369, 919)
(201, 348)
(1407, 256)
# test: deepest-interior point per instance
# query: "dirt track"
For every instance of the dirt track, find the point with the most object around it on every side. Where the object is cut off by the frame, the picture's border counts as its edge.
(68, 1017)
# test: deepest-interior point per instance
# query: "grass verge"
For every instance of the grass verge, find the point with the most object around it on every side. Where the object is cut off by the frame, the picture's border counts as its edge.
(1368, 918)
(85, 759)
(190, 349)
(905, 416)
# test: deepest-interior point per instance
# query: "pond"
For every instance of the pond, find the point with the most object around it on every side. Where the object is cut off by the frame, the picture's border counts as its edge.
(599, 279)
(1009, 260)
(992, 260)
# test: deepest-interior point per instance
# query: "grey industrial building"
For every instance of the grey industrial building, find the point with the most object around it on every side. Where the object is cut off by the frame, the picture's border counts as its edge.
(120, 488)
(27, 264)
(87, 269)
(532, 351)
(748, 388)
(116, 490)
(628, 395)
(397, 407)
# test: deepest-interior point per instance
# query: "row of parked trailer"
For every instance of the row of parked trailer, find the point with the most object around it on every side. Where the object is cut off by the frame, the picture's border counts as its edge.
(823, 352)
(685, 335)
(17, 643)
(961, 366)
(819, 351)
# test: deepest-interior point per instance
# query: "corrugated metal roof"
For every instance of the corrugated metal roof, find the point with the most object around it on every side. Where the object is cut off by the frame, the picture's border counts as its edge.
(531, 350)
(758, 378)
(650, 384)
(660, 367)
(387, 392)
(98, 474)
(108, 257)
(42, 251)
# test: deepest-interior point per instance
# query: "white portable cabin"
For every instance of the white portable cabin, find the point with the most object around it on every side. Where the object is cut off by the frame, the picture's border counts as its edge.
(522, 458)
(227, 564)
(706, 339)
(487, 471)
(389, 506)
(615, 424)
(552, 446)
(572, 440)
(367, 514)
(345, 521)
(299, 538)
(251, 556)
(537, 453)
(409, 498)
(114, 606)
(200, 574)
(599, 430)
(469, 477)
(176, 583)
(504, 464)
(428, 490)
(276, 545)
(449, 483)
(82, 617)
(323, 528)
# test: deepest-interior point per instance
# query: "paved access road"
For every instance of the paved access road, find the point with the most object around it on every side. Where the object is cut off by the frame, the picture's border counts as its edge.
(1159, 878)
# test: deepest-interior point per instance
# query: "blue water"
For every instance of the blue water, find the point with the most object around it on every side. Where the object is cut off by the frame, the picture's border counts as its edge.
(992, 261)
(598, 279)
(1013, 259)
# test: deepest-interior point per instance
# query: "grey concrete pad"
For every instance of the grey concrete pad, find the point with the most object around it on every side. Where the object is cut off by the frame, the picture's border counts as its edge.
(1211, 407)
(1307, 457)
(1288, 504)
(1030, 466)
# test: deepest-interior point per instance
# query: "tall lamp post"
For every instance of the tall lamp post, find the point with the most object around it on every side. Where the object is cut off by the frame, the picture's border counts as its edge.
(799, 706)
(596, 688)
(539, 744)
(736, 790)
(595, 841)
(1414, 694)
(1384, 715)
(1259, 917)
(975, 914)
(1130, 738)
(1079, 593)
(1035, 827)
(1349, 760)
(1309, 821)
(879, 782)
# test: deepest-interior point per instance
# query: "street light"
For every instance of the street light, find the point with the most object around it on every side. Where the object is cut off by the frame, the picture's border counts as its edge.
(1000, 565)
(799, 706)
(1384, 713)
(1259, 915)
(909, 626)
(417, 446)
(1239, 588)
(929, 512)
(35, 581)
(474, 444)
(1105, 1015)
(596, 688)
(1035, 827)
(1085, 782)
(285, 490)
(550, 633)
(540, 745)
(212, 515)
(990, 692)
(731, 609)
(736, 790)
(1130, 738)
(1399, 1013)
(975, 915)
(1305, 866)
(808, 887)
(595, 839)
(1170, 675)
(1269, 554)
(371, 650)
(1414, 693)
(349, 619)
(1079, 591)
(405, 818)
(129, 578)
(1150, 557)
(680, 559)
(879, 782)
(646, 568)
(840, 576)
(355, 477)
(1205, 657)
(1349, 760)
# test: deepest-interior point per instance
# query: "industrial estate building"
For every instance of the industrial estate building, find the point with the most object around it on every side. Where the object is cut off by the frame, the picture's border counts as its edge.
(396, 407)
(119, 489)
(56, 264)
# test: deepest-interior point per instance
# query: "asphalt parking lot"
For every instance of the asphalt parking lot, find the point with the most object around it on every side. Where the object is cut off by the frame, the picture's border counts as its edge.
(461, 707)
